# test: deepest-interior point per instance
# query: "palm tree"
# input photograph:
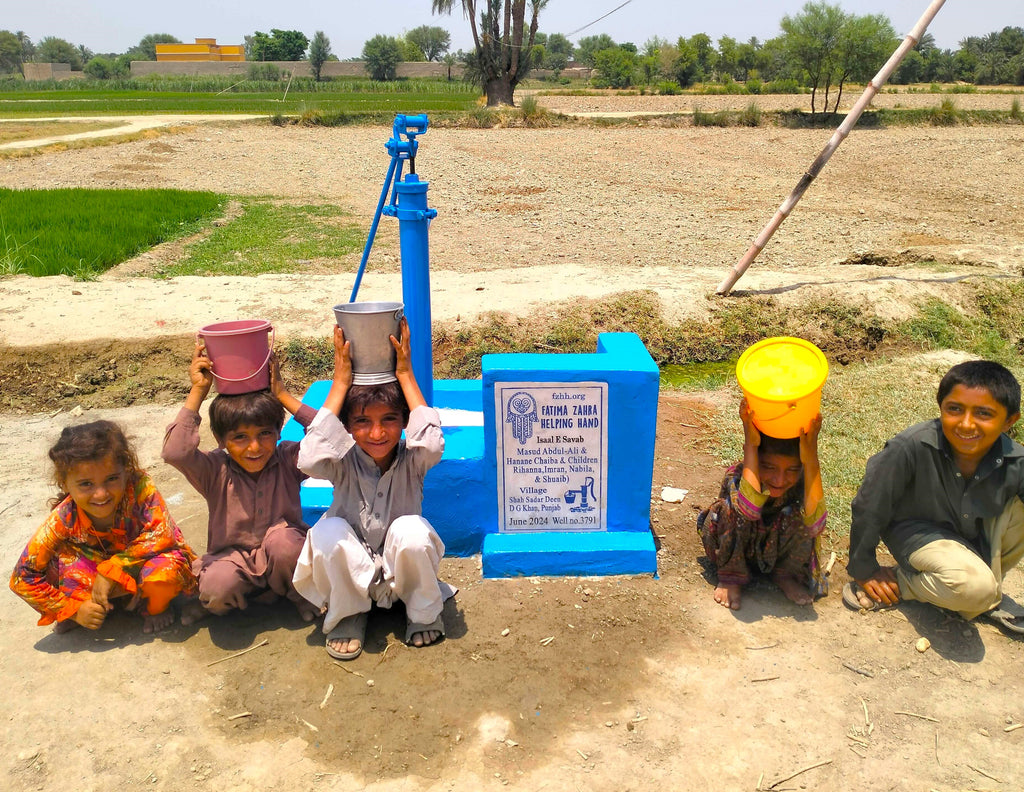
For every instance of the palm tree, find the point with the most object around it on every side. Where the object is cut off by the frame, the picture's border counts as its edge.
(501, 56)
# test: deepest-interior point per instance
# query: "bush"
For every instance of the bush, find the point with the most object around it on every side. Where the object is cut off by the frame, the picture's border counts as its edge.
(946, 114)
(754, 85)
(100, 68)
(722, 118)
(264, 72)
(530, 111)
(1015, 112)
(669, 88)
(788, 86)
(750, 116)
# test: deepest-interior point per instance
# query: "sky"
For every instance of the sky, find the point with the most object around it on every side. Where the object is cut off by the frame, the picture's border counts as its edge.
(114, 26)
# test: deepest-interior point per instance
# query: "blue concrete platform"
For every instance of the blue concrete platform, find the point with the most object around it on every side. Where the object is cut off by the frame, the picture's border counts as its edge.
(625, 545)
(453, 494)
(460, 497)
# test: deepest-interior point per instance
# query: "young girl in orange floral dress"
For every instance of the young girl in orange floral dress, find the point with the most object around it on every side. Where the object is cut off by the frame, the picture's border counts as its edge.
(109, 535)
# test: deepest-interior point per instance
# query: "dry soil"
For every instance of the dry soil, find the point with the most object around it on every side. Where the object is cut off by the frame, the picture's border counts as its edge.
(647, 682)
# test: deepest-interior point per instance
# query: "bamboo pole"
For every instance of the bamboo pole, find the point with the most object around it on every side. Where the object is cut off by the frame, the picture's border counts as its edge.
(838, 136)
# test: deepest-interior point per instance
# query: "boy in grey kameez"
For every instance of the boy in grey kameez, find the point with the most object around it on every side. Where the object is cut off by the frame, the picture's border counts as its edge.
(373, 544)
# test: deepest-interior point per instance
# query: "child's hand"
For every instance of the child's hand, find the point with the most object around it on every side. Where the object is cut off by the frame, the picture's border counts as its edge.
(809, 440)
(102, 588)
(342, 358)
(403, 350)
(90, 615)
(882, 586)
(751, 437)
(276, 383)
(199, 372)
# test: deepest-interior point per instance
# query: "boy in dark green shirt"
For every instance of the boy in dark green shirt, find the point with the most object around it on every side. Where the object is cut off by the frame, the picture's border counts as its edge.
(945, 496)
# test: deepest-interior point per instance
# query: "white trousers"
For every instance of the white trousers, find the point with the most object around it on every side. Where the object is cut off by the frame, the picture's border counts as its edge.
(336, 571)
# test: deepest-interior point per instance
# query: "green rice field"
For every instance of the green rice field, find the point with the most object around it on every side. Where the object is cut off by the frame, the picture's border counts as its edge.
(82, 233)
(204, 95)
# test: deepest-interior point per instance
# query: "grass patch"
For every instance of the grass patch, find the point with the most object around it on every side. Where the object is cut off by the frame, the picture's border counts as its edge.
(83, 233)
(721, 118)
(271, 237)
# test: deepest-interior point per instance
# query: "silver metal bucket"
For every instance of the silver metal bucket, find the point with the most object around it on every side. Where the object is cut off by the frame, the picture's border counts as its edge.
(367, 327)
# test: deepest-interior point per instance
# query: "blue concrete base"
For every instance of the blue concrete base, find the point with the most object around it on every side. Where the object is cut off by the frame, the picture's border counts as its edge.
(553, 553)
(454, 500)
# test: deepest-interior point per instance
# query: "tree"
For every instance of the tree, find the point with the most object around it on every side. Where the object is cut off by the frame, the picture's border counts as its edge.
(551, 52)
(811, 39)
(558, 51)
(706, 55)
(728, 58)
(616, 67)
(145, 50)
(280, 45)
(449, 60)
(319, 52)
(28, 49)
(57, 50)
(409, 52)
(910, 70)
(865, 42)
(433, 42)
(503, 43)
(382, 55)
(588, 47)
(100, 68)
(10, 52)
(683, 68)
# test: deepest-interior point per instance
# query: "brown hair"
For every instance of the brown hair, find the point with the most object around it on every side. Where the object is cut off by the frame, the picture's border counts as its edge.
(359, 397)
(260, 408)
(90, 442)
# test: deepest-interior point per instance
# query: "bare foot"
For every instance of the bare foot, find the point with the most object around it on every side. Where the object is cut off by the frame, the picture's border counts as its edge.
(161, 621)
(345, 645)
(729, 595)
(62, 627)
(425, 638)
(794, 591)
(307, 610)
(193, 611)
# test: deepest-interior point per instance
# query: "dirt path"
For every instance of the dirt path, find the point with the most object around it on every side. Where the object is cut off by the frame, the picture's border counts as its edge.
(647, 682)
(124, 125)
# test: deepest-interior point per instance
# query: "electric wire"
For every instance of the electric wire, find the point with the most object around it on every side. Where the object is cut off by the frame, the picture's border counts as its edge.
(623, 5)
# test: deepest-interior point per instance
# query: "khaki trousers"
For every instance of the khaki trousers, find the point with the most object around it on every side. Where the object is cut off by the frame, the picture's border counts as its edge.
(954, 577)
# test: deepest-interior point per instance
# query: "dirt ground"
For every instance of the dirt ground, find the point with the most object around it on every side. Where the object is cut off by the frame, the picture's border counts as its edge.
(647, 682)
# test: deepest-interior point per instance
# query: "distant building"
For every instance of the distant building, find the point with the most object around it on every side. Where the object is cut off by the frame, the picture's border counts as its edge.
(205, 49)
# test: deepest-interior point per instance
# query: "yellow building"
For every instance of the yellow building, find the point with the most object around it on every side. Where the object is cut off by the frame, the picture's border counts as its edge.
(205, 49)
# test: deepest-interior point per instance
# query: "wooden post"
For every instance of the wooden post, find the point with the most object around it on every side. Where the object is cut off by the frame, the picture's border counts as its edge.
(838, 136)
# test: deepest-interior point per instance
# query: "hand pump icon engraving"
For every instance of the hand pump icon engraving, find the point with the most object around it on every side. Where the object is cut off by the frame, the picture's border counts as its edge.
(570, 496)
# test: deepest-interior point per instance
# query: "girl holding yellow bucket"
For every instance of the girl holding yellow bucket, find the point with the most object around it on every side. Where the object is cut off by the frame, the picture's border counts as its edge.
(770, 513)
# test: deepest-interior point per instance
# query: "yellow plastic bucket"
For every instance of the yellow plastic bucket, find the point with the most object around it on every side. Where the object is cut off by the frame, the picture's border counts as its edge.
(782, 379)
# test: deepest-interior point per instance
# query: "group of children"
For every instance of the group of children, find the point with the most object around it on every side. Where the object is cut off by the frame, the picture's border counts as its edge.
(944, 495)
(110, 536)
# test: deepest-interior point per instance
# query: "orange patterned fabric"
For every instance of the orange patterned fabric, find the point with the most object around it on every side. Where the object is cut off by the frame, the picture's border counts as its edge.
(56, 570)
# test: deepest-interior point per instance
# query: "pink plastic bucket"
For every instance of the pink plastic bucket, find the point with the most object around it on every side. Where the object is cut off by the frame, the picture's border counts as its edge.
(239, 354)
